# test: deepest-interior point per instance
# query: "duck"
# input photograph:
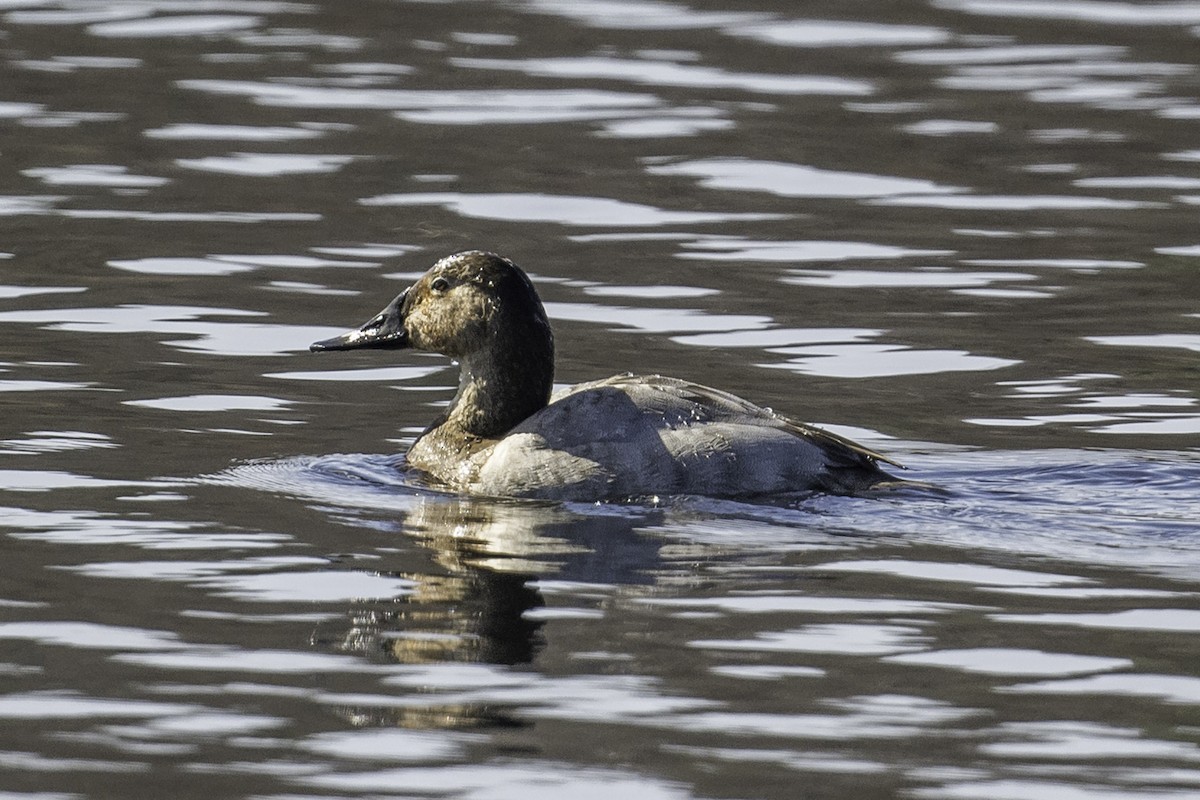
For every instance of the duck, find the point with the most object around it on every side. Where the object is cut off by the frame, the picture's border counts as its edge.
(508, 434)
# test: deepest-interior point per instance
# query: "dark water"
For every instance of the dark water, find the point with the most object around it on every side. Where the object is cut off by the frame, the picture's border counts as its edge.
(962, 231)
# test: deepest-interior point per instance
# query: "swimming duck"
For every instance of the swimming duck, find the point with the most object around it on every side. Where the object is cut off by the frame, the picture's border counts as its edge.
(506, 435)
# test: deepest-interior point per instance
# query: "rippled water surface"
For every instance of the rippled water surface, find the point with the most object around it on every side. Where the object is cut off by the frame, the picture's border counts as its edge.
(964, 232)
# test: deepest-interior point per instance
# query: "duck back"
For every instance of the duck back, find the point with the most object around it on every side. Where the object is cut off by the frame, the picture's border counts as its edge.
(650, 435)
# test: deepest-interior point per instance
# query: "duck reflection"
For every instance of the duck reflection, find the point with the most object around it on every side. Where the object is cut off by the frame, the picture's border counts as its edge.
(490, 556)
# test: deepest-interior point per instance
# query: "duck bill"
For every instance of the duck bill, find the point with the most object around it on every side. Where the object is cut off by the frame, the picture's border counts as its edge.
(384, 331)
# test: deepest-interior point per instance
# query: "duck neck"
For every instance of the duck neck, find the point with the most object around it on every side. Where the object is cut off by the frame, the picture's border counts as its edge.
(500, 388)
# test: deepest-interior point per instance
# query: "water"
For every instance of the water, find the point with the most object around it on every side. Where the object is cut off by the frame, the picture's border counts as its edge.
(961, 232)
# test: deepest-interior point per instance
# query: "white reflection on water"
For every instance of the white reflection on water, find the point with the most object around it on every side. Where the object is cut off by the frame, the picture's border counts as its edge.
(614, 121)
(323, 586)
(179, 266)
(1012, 661)
(795, 180)
(22, 480)
(239, 217)
(16, 385)
(18, 205)
(267, 165)
(591, 698)
(1134, 423)
(532, 103)
(838, 33)
(1183, 689)
(384, 374)
(389, 745)
(983, 202)
(1167, 424)
(1004, 293)
(1127, 413)
(864, 717)
(223, 338)
(1140, 182)
(227, 264)
(1031, 788)
(1184, 155)
(93, 528)
(975, 574)
(1099, 84)
(778, 337)
(639, 14)
(10, 110)
(1052, 168)
(31, 762)
(1187, 250)
(1135, 400)
(560, 209)
(928, 278)
(287, 261)
(1012, 53)
(1072, 740)
(665, 73)
(190, 571)
(1099, 11)
(951, 127)
(833, 763)
(243, 133)
(878, 360)
(1183, 620)
(458, 676)
(1182, 341)
(89, 635)
(656, 292)
(55, 442)
(1084, 265)
(80, 14)
(212, 723)
(669, 122)
(766, 672)
(1116, 95)
(155, 497)
(74, 63)
(74, 705)
(485, 39)
(213, 402)
(12, 292)
(108, 175)
(844, 639)
(175, 25)
(367, 250)
(233, 659)
(531, 778)
(796, 603)
(737, 248)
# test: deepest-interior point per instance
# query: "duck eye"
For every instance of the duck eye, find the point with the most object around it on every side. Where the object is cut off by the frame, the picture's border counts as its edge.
(439, 285)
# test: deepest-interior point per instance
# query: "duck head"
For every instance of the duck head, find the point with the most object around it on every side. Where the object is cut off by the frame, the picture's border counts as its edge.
(466, 303)
(482, 311)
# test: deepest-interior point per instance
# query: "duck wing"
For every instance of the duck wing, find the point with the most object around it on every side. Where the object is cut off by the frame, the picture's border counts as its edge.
(633, 435)
(684, 402)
